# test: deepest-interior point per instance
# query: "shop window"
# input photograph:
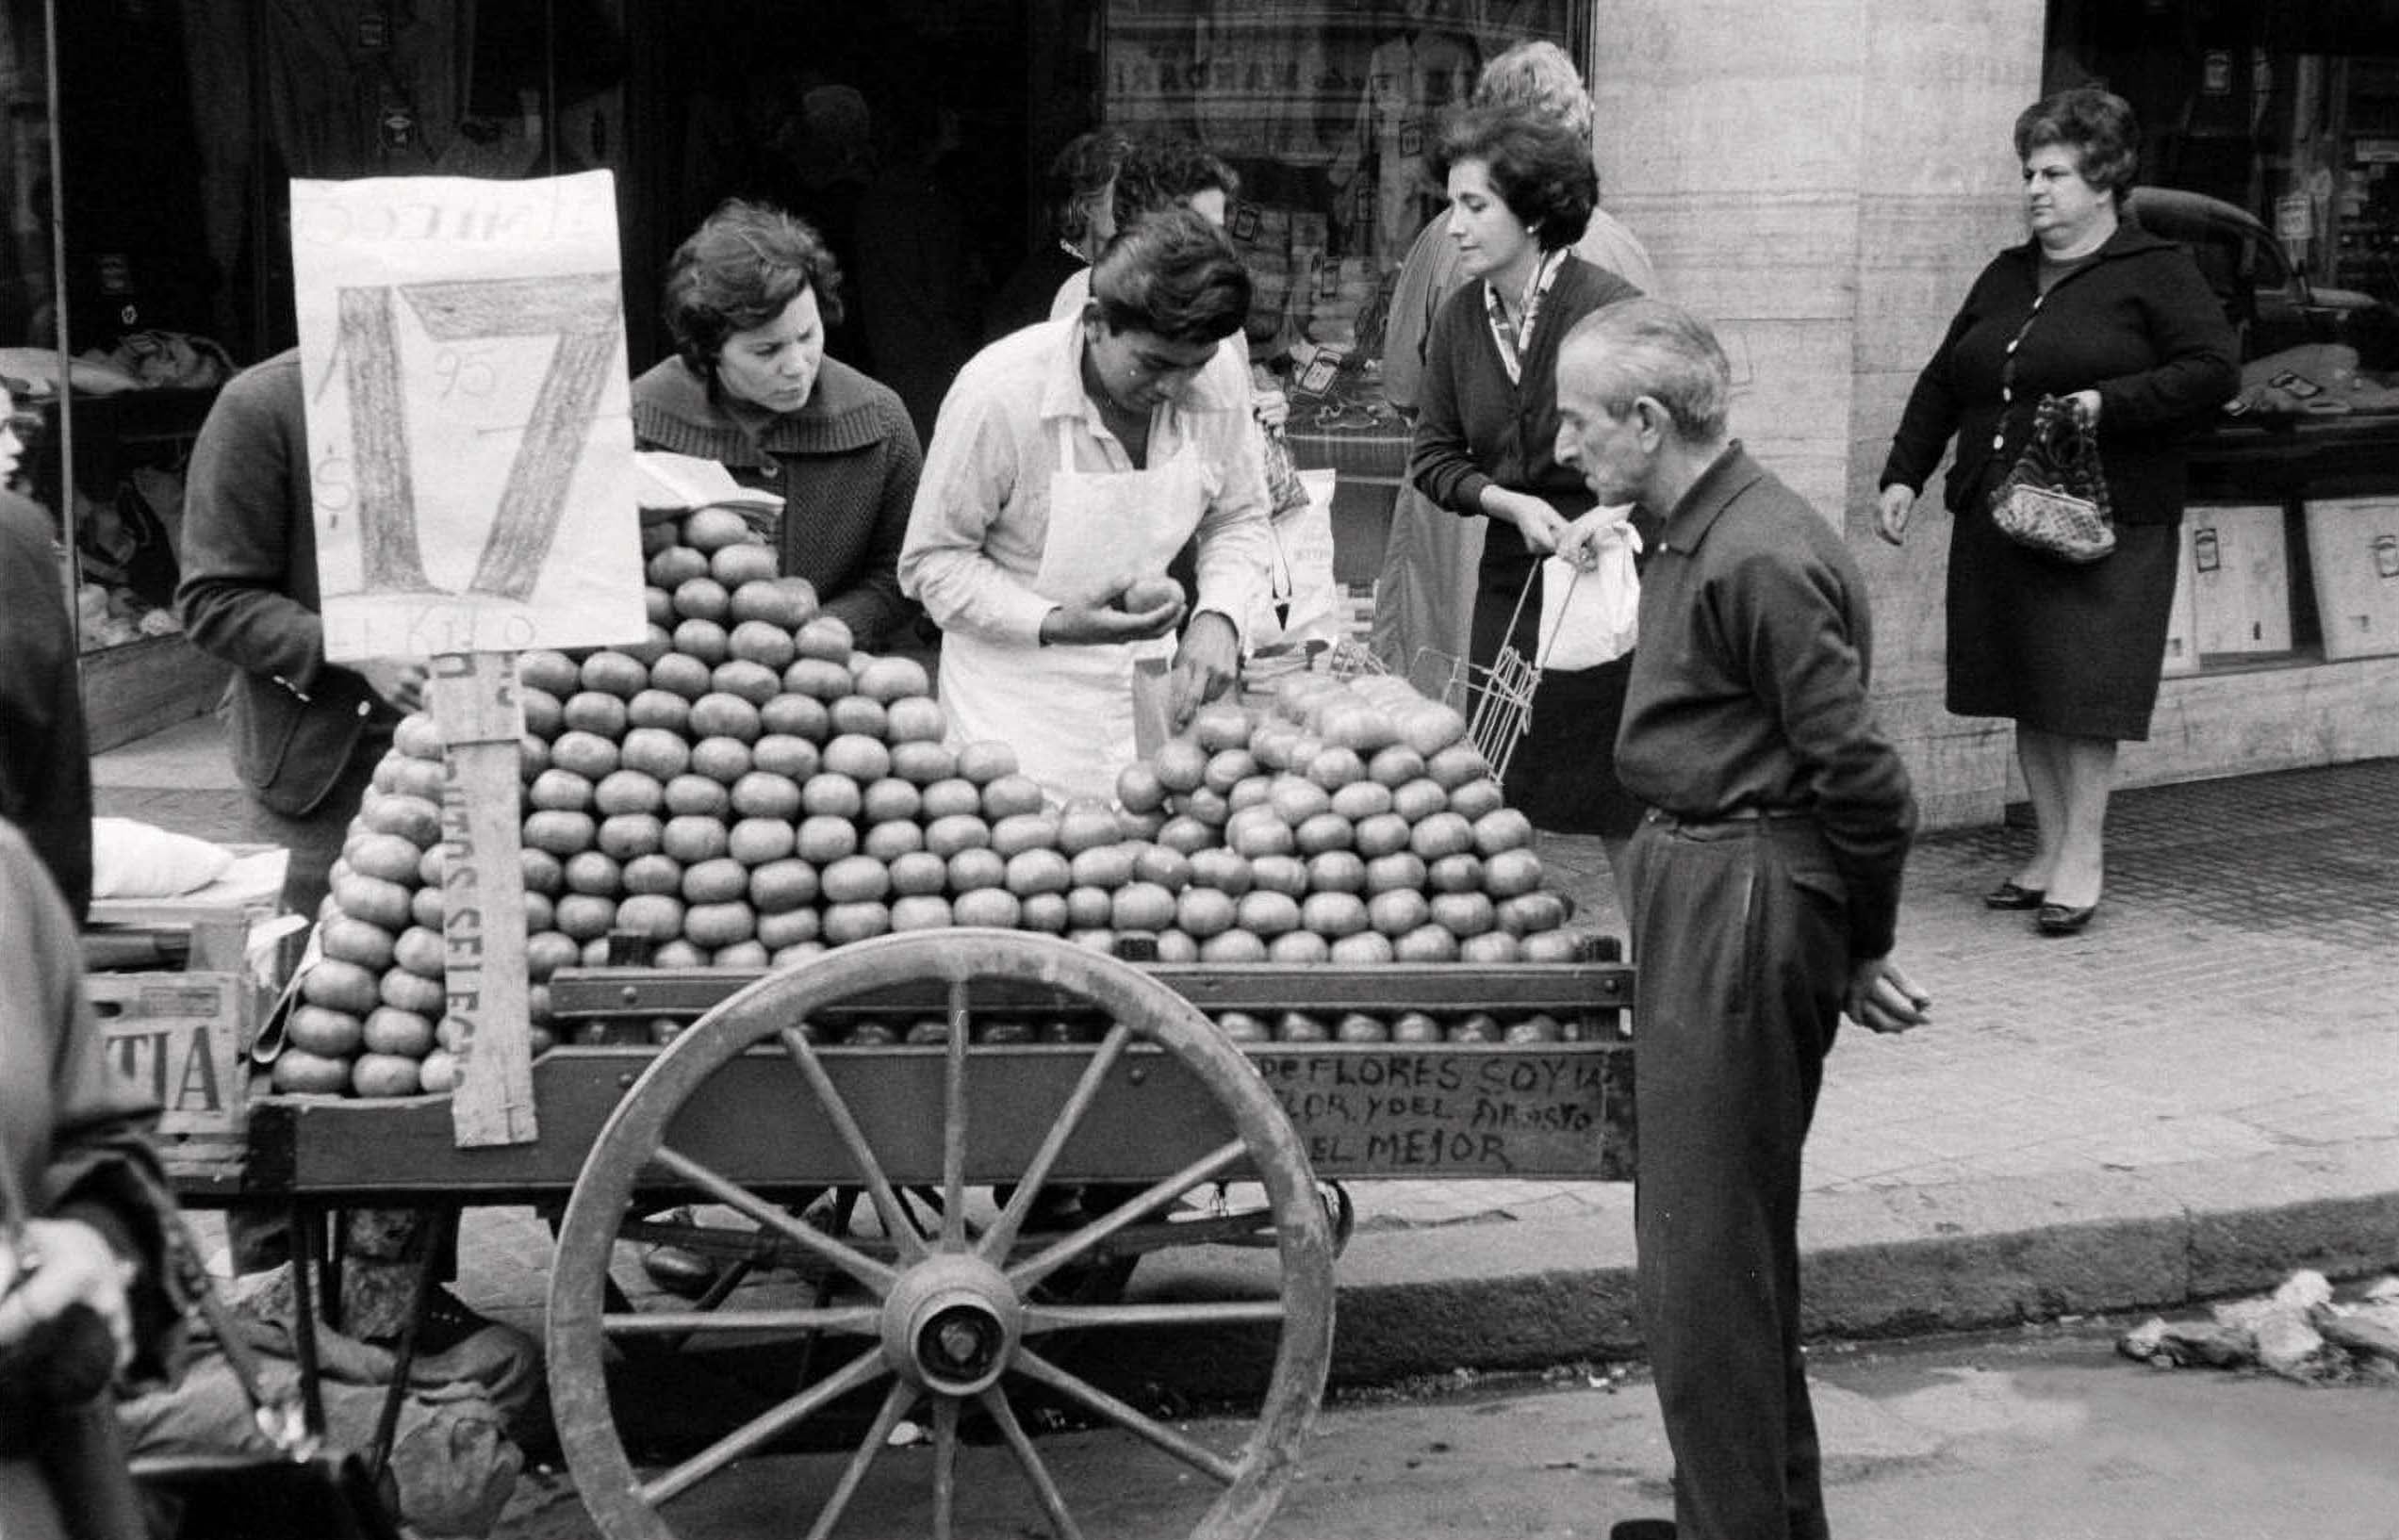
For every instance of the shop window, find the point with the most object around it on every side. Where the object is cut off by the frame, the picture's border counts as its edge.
(2271, 150)
(1326, 111)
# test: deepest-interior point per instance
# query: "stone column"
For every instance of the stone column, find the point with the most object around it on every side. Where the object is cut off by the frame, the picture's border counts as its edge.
(1822, 179)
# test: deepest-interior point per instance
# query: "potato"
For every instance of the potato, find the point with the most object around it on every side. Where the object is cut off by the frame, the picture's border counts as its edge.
(298, 1072)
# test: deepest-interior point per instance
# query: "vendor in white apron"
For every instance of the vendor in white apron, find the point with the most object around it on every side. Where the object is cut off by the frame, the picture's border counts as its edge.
(1072, 460)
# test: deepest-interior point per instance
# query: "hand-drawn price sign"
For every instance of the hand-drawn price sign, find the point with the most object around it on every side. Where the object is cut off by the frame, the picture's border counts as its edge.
(471, 443)
(1463, 1111)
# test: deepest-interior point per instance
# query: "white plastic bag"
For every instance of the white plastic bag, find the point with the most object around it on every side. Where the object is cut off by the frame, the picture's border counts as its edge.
(1305, 602)
(1590, 618)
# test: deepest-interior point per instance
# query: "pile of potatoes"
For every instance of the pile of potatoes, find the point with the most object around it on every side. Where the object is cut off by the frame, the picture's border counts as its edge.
(745, 788)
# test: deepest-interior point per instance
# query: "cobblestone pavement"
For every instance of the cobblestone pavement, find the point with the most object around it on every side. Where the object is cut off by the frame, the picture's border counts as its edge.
(2234, 997)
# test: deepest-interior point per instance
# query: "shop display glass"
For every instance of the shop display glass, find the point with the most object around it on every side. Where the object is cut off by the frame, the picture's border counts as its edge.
(1326, 111)
(2272, 150)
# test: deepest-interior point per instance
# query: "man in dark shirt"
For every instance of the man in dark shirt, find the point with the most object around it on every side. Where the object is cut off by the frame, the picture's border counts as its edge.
(1766, 888)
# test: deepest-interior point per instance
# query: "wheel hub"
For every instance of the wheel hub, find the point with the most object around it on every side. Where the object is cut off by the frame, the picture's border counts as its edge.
(952, 1324)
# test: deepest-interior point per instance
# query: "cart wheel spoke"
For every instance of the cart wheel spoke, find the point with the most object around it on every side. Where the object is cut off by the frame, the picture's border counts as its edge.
(870, 1169)
(874, 1274)
(926, 1245)
(1151, 1198)
(1191, 1452)
(1003, 1233)
(953, 1231)
(850, 1320)
(1041, 1319)
(944, 1467)
(863, 1370)
(895, 1402)
(1036, 1474)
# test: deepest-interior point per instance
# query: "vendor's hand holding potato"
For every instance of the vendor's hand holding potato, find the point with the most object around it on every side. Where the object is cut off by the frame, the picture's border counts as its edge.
(1206, 666)
(64, 1322)
(1151, 607)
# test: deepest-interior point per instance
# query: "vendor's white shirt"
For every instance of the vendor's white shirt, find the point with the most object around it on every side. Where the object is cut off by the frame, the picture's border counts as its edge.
(983, 505)
(1074, 292)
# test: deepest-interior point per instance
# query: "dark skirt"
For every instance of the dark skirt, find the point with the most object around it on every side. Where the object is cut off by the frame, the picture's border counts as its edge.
(2061, 648)
(1563, 773)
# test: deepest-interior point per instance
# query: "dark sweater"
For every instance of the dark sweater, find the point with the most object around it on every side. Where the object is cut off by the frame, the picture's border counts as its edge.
(45, 769)
(846, 464)
(249, 595)
(1478, 427)
(2137, 323)
(1748, 689)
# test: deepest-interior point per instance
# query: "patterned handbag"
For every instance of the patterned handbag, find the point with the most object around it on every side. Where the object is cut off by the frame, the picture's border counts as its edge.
(2054, 499)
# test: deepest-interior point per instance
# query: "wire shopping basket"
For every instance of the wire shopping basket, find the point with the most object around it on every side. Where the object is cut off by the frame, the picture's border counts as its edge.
(1496, 699)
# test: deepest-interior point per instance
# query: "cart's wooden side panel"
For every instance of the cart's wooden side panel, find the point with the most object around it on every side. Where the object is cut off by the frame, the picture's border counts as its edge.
(1562, 1111)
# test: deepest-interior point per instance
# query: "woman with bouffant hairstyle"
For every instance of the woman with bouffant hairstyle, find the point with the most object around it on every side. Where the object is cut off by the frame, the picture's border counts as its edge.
(748, 300)
(1521, 187)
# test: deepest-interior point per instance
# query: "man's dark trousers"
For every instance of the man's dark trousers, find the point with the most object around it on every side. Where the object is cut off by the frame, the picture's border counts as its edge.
(1740, 933)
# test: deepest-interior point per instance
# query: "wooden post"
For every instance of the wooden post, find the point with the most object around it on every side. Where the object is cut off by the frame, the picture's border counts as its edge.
(476, 705)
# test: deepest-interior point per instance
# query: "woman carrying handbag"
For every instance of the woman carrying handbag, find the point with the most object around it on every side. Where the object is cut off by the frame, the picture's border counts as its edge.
(2120, 327)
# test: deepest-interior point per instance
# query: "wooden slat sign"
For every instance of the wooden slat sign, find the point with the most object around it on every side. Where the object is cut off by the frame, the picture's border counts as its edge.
(469, 429)
(471, 461)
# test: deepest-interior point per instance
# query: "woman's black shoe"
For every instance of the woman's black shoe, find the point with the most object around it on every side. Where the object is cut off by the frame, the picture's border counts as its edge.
(1642, 1528)
(2010, 896)
(2064, 919)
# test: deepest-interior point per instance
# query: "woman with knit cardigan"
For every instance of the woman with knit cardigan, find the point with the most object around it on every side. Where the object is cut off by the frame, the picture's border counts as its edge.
(748, 298)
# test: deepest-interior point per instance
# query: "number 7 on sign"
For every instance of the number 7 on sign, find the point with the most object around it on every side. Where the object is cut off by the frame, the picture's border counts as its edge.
(579, 310)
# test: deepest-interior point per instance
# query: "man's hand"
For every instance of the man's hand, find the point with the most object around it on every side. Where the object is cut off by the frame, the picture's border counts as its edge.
(1891, 509)
(1880, 999)
(1086, 624)
(399, 680)
(1583, 539)
(64, 1268)
(1206, 665)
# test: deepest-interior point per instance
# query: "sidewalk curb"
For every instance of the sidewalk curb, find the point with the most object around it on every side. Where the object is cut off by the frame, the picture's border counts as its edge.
(1877, 1263)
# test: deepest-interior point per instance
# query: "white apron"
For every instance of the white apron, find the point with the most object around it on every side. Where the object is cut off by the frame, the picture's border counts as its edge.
(1076, 714)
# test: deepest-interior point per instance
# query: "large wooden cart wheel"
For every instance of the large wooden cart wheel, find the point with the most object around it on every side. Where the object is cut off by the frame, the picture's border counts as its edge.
(954, 1316)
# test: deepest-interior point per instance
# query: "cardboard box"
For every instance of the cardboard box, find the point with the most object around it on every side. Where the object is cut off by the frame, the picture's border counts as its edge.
(185, 1038)
(2182, 621)
(2240, 571)
(184, 1033)
(2353, 544)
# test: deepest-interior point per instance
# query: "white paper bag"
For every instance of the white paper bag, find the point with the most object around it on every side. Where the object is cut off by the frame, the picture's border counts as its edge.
(1305, 602)
(1588, 619)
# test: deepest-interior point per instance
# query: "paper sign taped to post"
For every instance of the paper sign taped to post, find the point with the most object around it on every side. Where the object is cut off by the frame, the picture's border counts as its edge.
(469, 428)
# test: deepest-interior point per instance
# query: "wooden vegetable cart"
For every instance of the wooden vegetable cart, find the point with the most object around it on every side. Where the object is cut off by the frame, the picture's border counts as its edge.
(1028, 1063)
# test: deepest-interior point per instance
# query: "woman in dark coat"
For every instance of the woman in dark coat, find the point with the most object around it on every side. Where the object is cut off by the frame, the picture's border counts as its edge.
(2095, 310)
(1521, 189)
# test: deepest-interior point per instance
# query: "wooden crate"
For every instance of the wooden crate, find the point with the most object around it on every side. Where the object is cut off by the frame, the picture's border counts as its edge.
(184, 1033)
(2240, 572)
(185, 1038)
(133, 691)
(2354, 545)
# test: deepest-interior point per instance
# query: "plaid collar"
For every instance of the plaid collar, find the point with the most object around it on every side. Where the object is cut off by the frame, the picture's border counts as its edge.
(1516, 341)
